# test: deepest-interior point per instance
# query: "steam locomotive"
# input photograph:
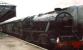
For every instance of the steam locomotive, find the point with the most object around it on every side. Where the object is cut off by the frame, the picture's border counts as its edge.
(47, 29)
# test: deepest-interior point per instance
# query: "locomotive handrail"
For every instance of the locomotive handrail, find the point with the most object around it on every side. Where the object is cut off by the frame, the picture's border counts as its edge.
(47, 27)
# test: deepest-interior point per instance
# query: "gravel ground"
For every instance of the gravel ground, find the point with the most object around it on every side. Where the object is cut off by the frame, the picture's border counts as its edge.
(11, 43)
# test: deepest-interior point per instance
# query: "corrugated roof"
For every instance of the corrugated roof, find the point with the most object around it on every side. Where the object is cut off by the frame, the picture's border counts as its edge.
(7, 11)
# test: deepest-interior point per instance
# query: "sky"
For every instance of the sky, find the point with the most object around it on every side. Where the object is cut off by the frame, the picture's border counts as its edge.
(26, 8)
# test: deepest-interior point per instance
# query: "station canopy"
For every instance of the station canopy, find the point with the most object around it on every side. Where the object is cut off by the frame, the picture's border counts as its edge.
(7, 11)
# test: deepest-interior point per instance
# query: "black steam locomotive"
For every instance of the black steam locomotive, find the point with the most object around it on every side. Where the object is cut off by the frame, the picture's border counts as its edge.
(44, 29)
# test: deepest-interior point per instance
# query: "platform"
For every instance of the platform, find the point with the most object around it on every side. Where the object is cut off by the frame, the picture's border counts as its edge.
(8, 42)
